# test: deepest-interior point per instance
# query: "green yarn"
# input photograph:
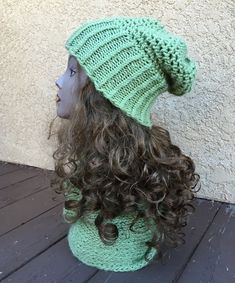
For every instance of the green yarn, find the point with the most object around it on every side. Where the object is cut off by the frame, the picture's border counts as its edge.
(131, 60)
(126, 254)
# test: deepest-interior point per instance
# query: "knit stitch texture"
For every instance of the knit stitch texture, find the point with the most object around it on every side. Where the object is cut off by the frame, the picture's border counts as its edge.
(131, 60)
(126, 254)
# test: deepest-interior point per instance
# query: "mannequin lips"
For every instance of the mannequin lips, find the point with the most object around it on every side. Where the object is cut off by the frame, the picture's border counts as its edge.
(58, 98)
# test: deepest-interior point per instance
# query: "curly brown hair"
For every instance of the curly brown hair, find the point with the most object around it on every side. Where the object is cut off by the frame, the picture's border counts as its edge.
(120, 166)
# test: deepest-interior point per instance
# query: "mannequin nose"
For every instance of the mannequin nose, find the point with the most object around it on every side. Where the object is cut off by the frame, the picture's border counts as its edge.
(59, 82)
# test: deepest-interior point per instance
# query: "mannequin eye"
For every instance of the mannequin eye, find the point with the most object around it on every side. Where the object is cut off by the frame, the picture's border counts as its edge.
(72, 72)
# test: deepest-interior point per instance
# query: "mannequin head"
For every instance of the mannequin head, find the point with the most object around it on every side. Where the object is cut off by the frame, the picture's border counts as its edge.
(119, 165)
(69, 85)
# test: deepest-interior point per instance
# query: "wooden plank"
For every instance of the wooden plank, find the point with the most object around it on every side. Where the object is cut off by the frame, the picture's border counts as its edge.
(17, 165)
(7, 168)
(21, 190)
(27, 267)
(22, 244)
(16, 177)
(53, 265)
(25, 209)
(15, 173)
(214, 259)
(176, 258)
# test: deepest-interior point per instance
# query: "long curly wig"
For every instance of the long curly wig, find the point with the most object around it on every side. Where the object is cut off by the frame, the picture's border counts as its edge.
(120, 166)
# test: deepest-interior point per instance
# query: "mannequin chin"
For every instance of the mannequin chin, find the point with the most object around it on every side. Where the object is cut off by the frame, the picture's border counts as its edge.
(62, 111)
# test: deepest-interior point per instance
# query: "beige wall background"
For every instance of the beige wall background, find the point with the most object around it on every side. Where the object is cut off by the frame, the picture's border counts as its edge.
(202, 122)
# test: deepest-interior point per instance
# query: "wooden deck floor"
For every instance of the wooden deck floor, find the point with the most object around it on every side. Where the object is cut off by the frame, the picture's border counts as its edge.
(33, 243)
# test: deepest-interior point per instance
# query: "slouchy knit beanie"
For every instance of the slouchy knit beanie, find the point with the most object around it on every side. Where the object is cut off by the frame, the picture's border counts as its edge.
(131, 60)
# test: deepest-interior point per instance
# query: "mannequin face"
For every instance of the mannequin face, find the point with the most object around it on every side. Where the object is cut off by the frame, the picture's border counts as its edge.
(69, 84)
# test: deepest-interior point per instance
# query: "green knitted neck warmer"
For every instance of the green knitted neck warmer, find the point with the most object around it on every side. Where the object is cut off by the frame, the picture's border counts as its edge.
(131, 60)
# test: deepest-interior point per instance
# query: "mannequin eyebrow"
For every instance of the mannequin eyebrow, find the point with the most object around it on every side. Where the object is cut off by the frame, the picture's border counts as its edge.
(69, 58)
(74, 65)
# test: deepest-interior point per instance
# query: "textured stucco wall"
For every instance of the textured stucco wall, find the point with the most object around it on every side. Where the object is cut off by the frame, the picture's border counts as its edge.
(201, 123)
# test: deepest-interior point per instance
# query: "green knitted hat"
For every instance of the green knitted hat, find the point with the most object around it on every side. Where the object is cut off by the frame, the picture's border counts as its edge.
(131, 60)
